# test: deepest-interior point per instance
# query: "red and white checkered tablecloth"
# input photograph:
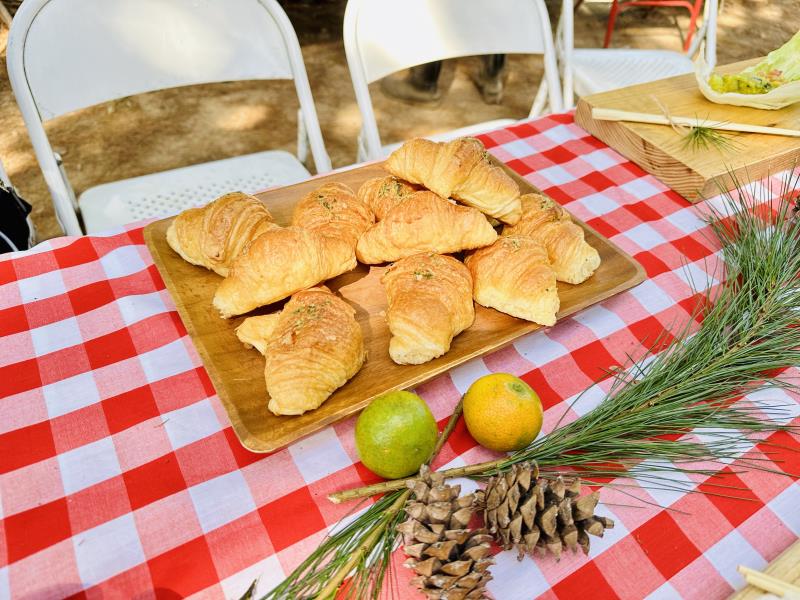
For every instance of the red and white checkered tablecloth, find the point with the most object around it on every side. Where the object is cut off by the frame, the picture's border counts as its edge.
(120, 475)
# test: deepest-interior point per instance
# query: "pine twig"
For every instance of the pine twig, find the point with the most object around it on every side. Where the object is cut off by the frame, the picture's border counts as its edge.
(399, 484)
(448, 429)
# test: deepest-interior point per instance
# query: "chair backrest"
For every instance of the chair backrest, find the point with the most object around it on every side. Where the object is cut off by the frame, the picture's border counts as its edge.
(565, 41)
(64, 55)
(385, 36)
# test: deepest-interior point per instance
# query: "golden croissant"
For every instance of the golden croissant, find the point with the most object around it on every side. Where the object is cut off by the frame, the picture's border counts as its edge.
(279, 263)
(424, 223)
(430, 302)
(312, 347)
(334, 210)
(514, 276)
(255, 332)
(573, 259)
(214, 235)
(382, 194)
(459, 169)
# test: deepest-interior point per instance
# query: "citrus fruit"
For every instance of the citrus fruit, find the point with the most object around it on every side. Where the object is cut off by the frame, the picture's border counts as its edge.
(502, 412)
(395, 434)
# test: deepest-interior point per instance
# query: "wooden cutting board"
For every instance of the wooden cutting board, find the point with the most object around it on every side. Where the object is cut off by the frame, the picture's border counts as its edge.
(238, 373)
(694, 174)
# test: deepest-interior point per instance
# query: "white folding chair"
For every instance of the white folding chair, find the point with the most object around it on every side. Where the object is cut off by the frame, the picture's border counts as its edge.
(64, 55)
(592, 70)
(382, 37)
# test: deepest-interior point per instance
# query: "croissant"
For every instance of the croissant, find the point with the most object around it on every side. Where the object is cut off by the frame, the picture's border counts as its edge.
(430, 302)
(279, 263)
(382, 194)
(313, 346)
(214, 235)
(514, 276)
(333, 210)
(459, 169)
(255, 332)
(424, 223)
(573, 259)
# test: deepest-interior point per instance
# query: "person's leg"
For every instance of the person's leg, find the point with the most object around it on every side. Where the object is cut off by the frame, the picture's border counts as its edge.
(425, 77)
(490, 78)
(420, 84)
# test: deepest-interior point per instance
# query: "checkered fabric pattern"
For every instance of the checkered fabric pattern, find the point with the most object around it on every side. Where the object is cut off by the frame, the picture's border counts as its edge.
(120, 475)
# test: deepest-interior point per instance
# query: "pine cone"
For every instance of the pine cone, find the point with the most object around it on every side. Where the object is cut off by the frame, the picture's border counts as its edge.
(450, 560)
(529, 512)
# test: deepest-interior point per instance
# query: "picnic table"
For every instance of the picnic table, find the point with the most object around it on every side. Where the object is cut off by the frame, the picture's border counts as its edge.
(120, 475)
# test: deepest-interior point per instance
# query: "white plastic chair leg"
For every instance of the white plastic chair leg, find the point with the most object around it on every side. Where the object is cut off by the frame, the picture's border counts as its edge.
(67, 184)
(540, 101)
(361, 152)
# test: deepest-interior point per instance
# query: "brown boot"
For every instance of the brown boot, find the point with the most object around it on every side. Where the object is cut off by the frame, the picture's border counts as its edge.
(490, 78)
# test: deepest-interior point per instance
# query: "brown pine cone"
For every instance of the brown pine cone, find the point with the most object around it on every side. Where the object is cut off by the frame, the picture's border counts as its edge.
(450, 559)
(527, 512)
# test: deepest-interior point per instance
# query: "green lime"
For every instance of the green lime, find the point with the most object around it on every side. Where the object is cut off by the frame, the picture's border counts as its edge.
(395, 434)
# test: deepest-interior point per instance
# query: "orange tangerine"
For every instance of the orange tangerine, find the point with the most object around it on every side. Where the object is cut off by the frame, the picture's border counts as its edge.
(502, 412)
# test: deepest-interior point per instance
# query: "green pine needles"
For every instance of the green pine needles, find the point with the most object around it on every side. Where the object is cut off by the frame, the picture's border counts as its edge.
(361, 549)
(749, 332)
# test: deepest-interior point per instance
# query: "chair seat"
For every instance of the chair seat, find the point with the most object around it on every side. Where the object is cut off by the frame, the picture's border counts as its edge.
(599, 70)
(169, 192)
(469, 130)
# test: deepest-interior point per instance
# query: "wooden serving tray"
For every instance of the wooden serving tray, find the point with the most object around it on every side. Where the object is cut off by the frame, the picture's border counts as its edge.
(694, 174)
(786, 568)
(238, 373)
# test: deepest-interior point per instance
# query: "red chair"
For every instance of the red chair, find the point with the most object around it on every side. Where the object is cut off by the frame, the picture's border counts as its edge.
(694, 9)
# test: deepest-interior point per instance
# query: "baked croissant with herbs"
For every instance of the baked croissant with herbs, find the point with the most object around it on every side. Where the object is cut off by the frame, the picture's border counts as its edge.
(334, 210)
(319, 245)
(458, 169)
(514, 276)
(544, 220)
(429, 303)
(424, 222)
(312, 348)
(279, 263)
(214, 235)
(382, 194)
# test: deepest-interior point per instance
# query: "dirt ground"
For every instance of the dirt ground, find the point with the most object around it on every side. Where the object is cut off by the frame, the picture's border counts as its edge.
(172, 128)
